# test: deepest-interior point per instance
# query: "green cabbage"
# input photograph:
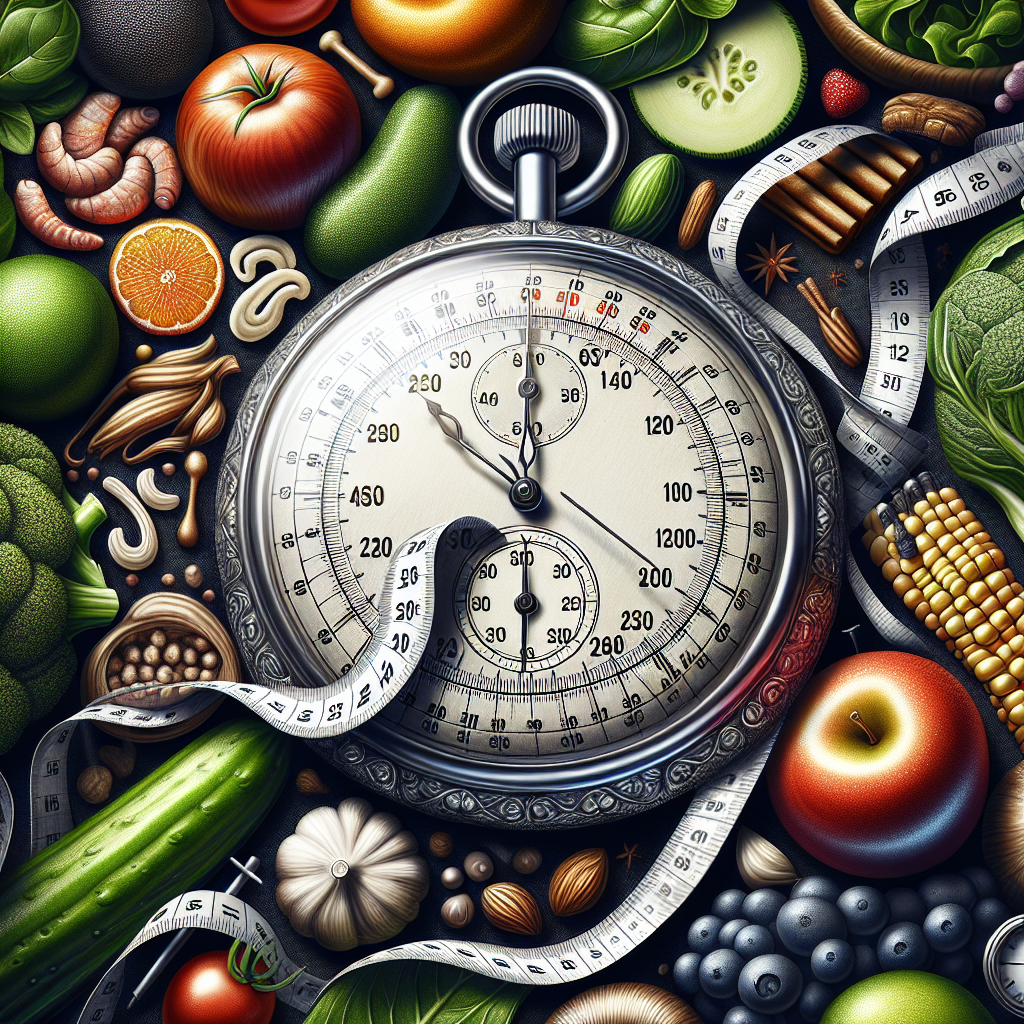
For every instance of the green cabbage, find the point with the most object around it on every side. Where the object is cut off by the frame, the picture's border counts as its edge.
(976, 356)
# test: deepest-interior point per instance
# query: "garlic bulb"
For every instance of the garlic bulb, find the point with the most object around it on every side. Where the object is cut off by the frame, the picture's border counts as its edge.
(625, 1002)
(348, 877)
(760, 862)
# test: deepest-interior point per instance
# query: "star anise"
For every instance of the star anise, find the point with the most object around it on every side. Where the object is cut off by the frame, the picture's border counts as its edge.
(837, 277)
(772, 263)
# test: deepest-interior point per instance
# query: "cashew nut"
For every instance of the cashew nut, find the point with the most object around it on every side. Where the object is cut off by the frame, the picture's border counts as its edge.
(250, 252)
(127, 556)
(145, 484)
(250, 323)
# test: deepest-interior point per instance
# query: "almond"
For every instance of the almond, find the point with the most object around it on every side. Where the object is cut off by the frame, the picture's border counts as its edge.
(578, 882)
(511, 908)
(697, 213)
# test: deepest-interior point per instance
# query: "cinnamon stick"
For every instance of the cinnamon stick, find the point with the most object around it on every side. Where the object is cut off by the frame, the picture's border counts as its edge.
(859, 174)
(880, 160)
(838, 191)
(820, 205)
(907, 155)
(789, 209)
(835, 328)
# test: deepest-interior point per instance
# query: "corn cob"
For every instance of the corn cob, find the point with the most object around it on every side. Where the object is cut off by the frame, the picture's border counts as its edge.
(949, 572)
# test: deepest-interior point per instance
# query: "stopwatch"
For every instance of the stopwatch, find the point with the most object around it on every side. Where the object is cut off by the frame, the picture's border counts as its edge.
(1003, 964)
(661, 484)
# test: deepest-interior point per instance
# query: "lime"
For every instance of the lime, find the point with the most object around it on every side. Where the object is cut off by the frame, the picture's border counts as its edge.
(58, 338)
(906, 997)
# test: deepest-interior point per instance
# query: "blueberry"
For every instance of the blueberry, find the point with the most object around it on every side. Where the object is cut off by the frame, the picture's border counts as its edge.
(684, 973)
(815, 999)
(902, 947)
(832, 960)
(709, 1011)
(703, 934)
(955, 966)
(865, 910)
(865, 963)
(984, 882)
(719, 973)
(727, 936)
(987, 915)
(744, 1015)
(906, 905)
(727, 904)
(939, 889)
(762, 906)
(770, 983)
(948, 927)
(754, 940)
(805, 921)
(817, 885)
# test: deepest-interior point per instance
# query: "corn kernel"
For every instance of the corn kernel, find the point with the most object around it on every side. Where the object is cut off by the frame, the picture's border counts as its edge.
(950, 646)
(942, 510)
(933, 559)
(955, 502)
(913, 597)
(962, 603)
(1016, 644)
(1004, 652)
(924, 543)
(932, 622)
(957, 586)
(902, 584)
(922, 611)
(974, 617)
(974, 528)
(988, 669)
(946, 543)
(955, 626)
(986, 634)
(999, 558)
(943, 599)
(1016, 716)
(973, 654)
(1002, 715)
(1019, 735)
(910, 565)
(948, 494)
(921, 506)
(978, 591)
(928, 517)
(891, 569)
(923, 578)
(984, 564)
(913, 525)
(1000, 619)
(1013, 699)
(1003, 684)
(972, 571)
(935, 529)
(990, 605)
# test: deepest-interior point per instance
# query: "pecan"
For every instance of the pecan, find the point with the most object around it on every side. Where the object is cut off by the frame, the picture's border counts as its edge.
(947, 121)
(697, 213)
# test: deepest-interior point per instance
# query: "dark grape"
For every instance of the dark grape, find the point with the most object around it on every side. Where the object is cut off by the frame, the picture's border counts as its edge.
(770, 983)
(906, 905)
(815, 999)
(902, 947)
(745, 1015)
(703, 934)
(727, 936)
(832, 960)
(754, 940)
(684, 973)
(762, 906)
(865, 910)
(817, 885)
(865, 963)
(987, 915)
(955, 966)
(805, 921)
(984, 882)
(709, 1011)
(719, 973)
(939, 889)
(948, 928)
(727, 904)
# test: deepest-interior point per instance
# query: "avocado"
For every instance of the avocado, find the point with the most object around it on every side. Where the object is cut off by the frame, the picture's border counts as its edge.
(144, 49)
(906, 997)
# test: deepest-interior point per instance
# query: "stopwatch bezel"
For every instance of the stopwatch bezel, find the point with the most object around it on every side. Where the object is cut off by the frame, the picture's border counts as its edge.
(611, 783)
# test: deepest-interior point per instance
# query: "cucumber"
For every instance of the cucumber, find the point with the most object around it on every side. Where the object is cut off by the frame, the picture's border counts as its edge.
(396, 193)
(81, 900)
(648, 197)
(738, 93)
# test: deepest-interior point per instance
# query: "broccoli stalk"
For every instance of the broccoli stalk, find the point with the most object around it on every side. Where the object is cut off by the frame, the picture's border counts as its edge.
(91, 603)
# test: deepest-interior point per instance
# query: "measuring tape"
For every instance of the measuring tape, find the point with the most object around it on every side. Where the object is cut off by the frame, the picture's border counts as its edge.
(898, 286)
(673, 875)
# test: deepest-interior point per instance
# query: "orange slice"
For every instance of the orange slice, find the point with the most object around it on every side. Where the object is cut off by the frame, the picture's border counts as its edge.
(167, 276)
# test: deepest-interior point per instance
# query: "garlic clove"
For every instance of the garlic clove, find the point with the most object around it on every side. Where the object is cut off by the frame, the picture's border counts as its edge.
(321, 826)
(353, 814)
(334, 924)
(760, 862)
(400, 845)
(377, 833)
(301, 898)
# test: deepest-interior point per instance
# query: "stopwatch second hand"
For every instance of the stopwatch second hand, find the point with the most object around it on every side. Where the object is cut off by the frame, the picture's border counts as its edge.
(608, 529)
(455, 433)
(528, 390)
(526, 603)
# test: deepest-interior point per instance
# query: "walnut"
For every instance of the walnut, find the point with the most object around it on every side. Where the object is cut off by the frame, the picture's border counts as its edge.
(947, 121)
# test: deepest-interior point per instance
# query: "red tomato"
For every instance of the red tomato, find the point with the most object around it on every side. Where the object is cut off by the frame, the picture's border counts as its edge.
(280, 17)
(272, 140)
(203, 992)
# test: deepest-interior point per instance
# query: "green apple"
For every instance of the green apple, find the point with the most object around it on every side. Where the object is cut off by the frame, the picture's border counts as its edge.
(906, 997)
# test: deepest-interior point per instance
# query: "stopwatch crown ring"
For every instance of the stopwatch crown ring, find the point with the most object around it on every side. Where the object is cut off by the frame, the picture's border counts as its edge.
(537, 126)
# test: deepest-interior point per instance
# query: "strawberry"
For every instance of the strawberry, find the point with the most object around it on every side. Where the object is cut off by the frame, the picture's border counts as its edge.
(841, 94)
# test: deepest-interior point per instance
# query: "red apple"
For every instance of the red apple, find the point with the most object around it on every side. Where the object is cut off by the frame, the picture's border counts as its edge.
(882, 766)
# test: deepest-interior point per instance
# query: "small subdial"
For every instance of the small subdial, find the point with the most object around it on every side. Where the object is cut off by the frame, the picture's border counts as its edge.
(527, 603)
(554, 412)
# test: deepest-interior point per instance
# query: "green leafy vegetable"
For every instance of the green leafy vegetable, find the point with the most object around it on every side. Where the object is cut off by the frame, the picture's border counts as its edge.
(57, 98)
(38, 40)
(17, 132)
(976, 355)
(968, 34)
(616, 42)
(415, 992)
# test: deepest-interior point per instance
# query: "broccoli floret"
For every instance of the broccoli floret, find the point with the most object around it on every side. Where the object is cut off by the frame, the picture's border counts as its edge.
(40, 525)
(46, 681)
(15, 576)
(37, 623)
(22, 449)
(17, 710)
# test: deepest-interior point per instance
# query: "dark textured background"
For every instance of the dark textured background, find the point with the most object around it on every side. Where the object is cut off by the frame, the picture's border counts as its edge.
(649, 830)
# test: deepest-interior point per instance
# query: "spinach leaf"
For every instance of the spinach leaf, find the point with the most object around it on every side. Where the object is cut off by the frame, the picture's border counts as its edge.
(616, 42)
(8, 218)
(17, 132)
(38, 40)
(415, 992)
(57, 97)
(709, 8)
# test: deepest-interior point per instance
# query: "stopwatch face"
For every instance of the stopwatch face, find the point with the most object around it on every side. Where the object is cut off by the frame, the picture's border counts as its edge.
(615, 626)
(1004, 965)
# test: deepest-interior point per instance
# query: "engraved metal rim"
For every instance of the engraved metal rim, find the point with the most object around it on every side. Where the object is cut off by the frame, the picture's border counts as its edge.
(612, 794)
(500, 196)
(990, 960)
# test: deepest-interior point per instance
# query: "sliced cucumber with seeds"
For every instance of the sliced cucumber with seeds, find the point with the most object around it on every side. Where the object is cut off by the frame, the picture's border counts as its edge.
(737, 93)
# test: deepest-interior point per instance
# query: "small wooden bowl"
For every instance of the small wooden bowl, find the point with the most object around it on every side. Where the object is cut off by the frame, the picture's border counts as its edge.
(172, 613)
(897, 70)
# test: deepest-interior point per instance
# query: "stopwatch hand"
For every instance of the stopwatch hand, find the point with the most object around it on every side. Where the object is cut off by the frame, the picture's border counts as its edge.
(453, 429)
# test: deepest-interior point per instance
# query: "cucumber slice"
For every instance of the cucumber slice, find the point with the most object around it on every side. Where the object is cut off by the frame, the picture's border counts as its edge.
(740, 90)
